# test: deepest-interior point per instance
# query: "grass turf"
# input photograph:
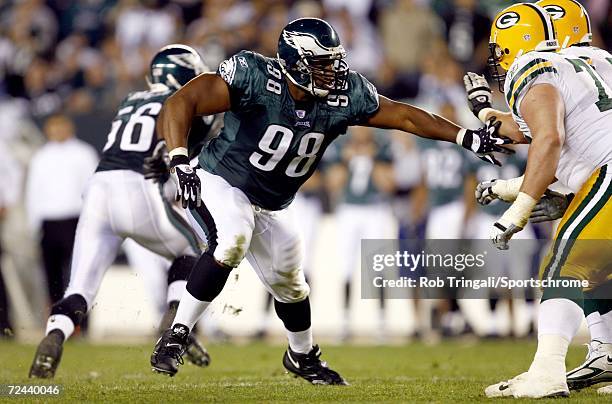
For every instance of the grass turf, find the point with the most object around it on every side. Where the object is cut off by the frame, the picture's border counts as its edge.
(449, 372)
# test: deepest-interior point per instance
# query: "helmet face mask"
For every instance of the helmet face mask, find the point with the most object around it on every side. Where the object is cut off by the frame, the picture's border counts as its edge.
(173, 66)
(312, 58)
(517, 30)
(493, 62)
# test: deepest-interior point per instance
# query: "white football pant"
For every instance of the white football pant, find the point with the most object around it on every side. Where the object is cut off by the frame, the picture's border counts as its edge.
(121, 204)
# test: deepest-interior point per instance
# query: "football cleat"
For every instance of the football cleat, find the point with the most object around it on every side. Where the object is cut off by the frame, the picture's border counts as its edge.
(597, 368)
(196, 353)
(310, 367)
(168, 352)
(529, 385)
(48, 356)
(605, 389)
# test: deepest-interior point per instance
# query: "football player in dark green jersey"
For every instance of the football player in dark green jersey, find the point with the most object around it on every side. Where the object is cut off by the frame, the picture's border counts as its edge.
(107, 218)
(280, 115)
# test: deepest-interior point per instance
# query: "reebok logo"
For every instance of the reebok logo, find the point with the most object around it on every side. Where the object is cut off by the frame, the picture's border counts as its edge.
(503, 387)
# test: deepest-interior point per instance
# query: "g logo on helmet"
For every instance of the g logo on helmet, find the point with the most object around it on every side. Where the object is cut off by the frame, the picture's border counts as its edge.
(555, 11)
(507, 20)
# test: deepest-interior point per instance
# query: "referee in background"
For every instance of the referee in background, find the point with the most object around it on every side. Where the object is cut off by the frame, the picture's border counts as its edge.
(56, 179)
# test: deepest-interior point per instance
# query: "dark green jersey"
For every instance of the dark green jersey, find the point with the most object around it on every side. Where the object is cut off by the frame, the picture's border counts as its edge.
(445, 167)
(133, 136)
(360, 188)
(270, 144)
(512, 166)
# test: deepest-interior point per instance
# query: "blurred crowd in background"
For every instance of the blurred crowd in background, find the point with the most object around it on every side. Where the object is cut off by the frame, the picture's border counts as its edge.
(65, 66)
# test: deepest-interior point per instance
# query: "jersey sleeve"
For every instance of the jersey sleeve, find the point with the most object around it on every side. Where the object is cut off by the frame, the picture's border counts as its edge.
(528, 71)
(363, 99)
(240, 73)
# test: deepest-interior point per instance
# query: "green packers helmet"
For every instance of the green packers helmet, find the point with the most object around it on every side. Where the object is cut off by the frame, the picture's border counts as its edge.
(312, 57)
(174, 65)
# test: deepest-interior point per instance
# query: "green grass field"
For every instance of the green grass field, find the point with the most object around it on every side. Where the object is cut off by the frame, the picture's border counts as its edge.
(449, 372)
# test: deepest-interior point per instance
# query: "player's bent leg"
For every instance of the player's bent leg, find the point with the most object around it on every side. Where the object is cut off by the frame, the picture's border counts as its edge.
(178, 273)
(206, 281)
(224, 222)
(276, 256)
(65, 316)
(95, 248)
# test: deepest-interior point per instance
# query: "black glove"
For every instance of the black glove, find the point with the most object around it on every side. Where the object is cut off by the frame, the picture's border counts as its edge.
(551, 206)
(478, 92)
(486, 140)
(155, 167)
(187, 182)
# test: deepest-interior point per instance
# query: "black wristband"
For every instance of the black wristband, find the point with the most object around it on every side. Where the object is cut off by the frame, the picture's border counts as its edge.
(479, 107)
(179, 159)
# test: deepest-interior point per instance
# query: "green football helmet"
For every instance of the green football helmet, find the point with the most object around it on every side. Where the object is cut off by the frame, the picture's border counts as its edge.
(312, 57)
(174, 65)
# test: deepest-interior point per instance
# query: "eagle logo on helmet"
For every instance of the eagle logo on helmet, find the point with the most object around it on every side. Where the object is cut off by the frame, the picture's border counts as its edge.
(508, 20)
(187, 60)
(306, 44)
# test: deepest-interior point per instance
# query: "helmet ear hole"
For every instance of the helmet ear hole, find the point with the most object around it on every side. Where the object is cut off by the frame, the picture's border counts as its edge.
(507, 51)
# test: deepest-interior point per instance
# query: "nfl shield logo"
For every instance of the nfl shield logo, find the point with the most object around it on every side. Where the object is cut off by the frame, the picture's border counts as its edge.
(300, 113)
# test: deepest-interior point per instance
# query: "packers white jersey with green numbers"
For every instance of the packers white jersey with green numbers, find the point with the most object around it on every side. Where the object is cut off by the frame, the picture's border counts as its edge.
(600, 59)
(588, 109)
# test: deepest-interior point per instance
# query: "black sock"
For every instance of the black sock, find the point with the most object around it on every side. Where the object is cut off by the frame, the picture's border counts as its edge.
(73, 306)
(207, 278)
(295, 316)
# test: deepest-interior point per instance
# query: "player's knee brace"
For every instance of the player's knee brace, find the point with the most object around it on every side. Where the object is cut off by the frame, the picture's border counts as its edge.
(73, 306)
(295, 316)
(207, 278)
(181, 268)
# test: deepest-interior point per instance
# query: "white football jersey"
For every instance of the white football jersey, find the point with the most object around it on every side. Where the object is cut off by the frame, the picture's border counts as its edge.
(588, 109)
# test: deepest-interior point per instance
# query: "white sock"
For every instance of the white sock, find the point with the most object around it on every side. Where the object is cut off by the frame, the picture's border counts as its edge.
(550, 355)
(175, 291)
(60, 322)
(189, 310)
(598, 328)
(607, 319)
(301, 341)
(559, 317)
(558, 322)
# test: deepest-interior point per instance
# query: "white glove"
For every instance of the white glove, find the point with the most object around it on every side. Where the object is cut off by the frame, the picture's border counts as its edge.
(506, 190)
(512, 221)
(478, 94)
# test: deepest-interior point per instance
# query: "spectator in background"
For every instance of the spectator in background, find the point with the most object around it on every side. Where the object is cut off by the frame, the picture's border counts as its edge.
(34, 24)
(10, 189)
(360, 39)
(467, 34)
(57, 176)
(41, 88)
(411, 33)
(362, 180)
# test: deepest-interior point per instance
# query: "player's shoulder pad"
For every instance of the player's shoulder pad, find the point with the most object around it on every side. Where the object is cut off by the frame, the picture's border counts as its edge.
(240, 66)
(525, 69)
